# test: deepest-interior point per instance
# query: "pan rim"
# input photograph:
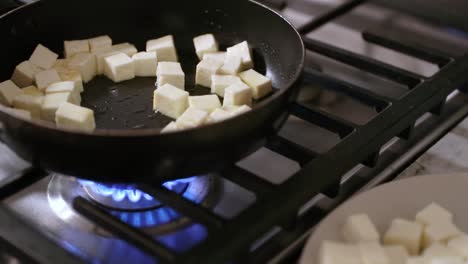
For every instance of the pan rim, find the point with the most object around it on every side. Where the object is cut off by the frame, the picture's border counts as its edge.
(128, 133)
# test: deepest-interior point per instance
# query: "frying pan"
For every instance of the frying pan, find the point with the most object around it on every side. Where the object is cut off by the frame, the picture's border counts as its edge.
(127, 146)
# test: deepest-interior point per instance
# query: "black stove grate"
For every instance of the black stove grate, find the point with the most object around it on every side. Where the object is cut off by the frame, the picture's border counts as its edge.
(231, 239)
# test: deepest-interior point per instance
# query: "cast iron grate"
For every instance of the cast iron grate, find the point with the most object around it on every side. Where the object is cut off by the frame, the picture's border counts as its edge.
(360, 144)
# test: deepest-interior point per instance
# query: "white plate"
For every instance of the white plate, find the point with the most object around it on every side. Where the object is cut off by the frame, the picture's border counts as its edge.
(402, 198)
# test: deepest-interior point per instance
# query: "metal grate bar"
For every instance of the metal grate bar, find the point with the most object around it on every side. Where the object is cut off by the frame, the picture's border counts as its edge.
(412, 49)
(247, 180)
(363, 95)
(332, 14)
(322, 119)
(365, 63)
(290, 150)
(196, 212)
(124, 231)
(31, 176)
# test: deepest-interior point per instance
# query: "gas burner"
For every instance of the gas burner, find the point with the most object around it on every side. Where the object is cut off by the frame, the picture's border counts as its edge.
(129, 204)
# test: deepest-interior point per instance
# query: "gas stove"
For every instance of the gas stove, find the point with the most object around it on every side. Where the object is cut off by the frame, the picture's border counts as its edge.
(362, 117)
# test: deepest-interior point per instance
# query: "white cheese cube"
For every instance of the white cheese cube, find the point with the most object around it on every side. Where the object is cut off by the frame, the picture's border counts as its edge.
(219, 115)
(170, 73)
(439, 250)
(447, 260)
(373, 253)
(65, 87)
(32, 90)
(207, 103)
(164, 47)
(405, 233)
(18, 113)
(171, 127)
(238, 94)
(237, 110)
(205, 43)
(46, 78)
(219, 56)
(192, 118)
(32, 104)
(75, 117)
(170, 101)
(459, 245)
(359, 228)
(261, 85)
(145, 63)
(434, 213)
(51, 104)
(220, 82)
(126, 48)
(396, 254)
(439, 232)
(242, 50)
(232, 65)
(8, 92)
(100, 43)
(205, 69)
(416, 260)
(100, 56)
(338, 253)
(24, 74)
(85, 63)
(43, 57)
(119, 67)
(73, 76)
(73, 47)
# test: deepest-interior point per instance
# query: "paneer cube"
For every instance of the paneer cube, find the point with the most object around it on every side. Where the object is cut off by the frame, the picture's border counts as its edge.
(232, 65)
(24, 74)
(373, 253)
(359, 228)
(238, 94)
(207, 103)
(75, 117)
(32, 104)
(434, 213)
(405, 233)
(261, 85)
(100, 56)
(439, 232)
(73, 47)
(65, 87)
(170, 73)
(145, 63)
(396, 254)
(8, 92)
(338, 253)
(439, 250)
(73, 76)
(219, 56)
(119, 67)
(205, 43)
(170, 101)
(43, 57)
(218, 115)
(32, 90)
(127, 48)
(237, 110)
(23, 114)
(164, 47)
(460, 245)
(205, 69)
(447, 260)
(192, 118)
(46, 78)
(171, 127)
(85, 63)
(220, 82)
(51, 104)
(242, 50)
(100, 43)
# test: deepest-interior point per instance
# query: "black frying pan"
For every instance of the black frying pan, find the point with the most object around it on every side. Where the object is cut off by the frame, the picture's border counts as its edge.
(127, 147)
